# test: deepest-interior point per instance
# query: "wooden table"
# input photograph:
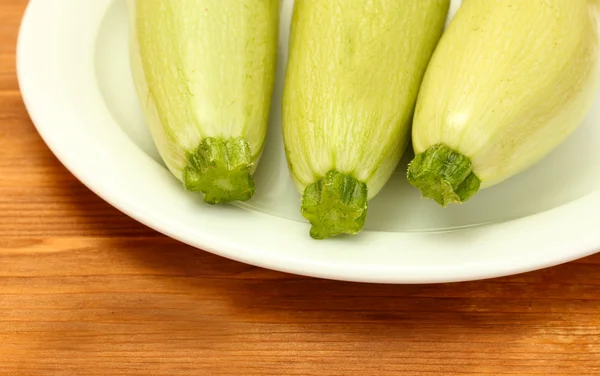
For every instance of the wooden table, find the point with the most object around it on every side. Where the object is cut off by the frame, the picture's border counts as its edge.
(85, 290)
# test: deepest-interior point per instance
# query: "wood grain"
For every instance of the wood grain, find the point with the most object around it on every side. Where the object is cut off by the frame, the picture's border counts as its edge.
(84, 290)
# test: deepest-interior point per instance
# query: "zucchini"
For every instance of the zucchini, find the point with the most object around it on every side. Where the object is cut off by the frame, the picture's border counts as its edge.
(353, 73)
(204, 73)
(507, 83)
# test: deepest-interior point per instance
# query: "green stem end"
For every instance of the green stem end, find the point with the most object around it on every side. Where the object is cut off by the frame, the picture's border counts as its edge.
(335, 205)
(443, 175)
(221, 169)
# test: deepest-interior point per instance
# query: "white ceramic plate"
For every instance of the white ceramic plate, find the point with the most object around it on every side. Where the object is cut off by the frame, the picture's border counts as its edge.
(74, 76)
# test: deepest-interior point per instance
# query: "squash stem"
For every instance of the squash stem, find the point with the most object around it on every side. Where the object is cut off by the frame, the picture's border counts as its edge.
(335, 204)
(221, 169)
(443, 175)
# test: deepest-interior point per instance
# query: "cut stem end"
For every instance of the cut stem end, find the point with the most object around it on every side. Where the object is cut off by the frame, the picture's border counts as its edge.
(335, 205)
(443, 175)
(221, 170)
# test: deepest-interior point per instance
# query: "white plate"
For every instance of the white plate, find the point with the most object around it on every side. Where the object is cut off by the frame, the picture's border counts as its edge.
(74, 76)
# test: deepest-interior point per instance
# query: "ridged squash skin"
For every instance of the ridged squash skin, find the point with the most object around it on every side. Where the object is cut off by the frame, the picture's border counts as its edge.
(353, 74)
(508, 82)
(204, 73)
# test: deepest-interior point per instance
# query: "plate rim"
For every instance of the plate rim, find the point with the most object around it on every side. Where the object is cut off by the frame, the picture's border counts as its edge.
(36, 17)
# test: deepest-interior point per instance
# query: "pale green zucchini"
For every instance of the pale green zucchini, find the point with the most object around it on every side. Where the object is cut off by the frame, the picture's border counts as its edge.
(508, 82)
(353, 74)
(204, 73)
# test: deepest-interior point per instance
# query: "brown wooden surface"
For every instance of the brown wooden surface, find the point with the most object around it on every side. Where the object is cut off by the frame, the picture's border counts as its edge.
(84, 290)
